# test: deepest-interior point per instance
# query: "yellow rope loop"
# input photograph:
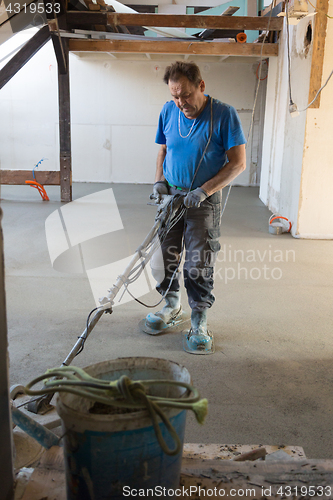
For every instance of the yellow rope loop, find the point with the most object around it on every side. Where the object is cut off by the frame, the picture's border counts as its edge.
(76, 381)
(154, 410)
(129, 389)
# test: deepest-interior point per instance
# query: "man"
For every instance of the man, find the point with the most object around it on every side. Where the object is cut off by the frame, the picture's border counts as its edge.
(202, 150)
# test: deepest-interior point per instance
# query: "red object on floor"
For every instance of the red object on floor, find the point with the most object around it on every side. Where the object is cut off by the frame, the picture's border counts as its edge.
(40, 189)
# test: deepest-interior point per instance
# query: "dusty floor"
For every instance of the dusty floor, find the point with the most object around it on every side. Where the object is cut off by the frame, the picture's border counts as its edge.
(270, 380)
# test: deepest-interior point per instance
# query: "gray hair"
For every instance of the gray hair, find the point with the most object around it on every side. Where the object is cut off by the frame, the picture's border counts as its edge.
(178, 69)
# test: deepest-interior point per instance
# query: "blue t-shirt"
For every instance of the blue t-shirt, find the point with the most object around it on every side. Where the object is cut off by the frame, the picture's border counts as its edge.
(184, 153)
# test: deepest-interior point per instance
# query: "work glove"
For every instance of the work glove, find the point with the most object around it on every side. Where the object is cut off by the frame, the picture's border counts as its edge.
(160, 189)
(195, 198)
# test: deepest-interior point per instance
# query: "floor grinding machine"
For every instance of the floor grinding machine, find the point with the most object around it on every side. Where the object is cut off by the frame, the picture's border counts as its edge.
(169, 212)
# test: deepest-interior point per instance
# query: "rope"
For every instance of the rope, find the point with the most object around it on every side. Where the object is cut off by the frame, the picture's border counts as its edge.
(124, 393)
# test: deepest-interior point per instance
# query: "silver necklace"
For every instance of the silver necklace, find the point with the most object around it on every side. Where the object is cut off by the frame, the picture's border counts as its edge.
(184, 136)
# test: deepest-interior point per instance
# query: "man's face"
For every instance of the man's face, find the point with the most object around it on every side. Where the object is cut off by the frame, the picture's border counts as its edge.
(187, 97)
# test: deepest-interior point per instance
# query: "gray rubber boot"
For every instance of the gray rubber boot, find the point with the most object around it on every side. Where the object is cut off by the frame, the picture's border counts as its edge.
(167, 314)
(198, 338)
(199, 322)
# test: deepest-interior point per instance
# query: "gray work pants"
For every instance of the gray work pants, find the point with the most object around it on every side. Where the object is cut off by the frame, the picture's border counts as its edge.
(200, 230)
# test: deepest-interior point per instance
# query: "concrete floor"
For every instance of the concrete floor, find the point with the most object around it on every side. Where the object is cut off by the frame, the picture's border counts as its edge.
(270, 380)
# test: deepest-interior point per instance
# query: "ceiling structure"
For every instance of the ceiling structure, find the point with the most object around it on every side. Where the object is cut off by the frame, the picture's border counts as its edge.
(84, 27)
(94, 26)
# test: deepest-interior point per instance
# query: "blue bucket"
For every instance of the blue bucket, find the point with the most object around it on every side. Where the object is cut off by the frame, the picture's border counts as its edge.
(116, 455)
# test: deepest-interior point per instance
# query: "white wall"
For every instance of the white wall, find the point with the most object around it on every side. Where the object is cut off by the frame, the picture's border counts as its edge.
(284, 135)
(28, 110)
(296, 175)
(316, 200)
(115, 104)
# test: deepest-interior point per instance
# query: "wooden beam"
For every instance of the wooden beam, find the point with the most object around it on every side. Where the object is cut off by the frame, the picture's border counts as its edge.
(259, 479)
(86, 18)
(18, 177)
(65, 131)
(58, 46)
(175, 21)
(173, 47)
(318, 51)
(56, 22)
(24, 55)
(196, 21)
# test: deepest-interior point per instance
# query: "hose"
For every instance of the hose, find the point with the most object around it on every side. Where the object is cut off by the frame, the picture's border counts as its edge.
(124, 393)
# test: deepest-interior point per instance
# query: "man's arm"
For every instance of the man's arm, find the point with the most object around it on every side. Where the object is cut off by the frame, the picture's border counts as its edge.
(236, 165)
(159, 163)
